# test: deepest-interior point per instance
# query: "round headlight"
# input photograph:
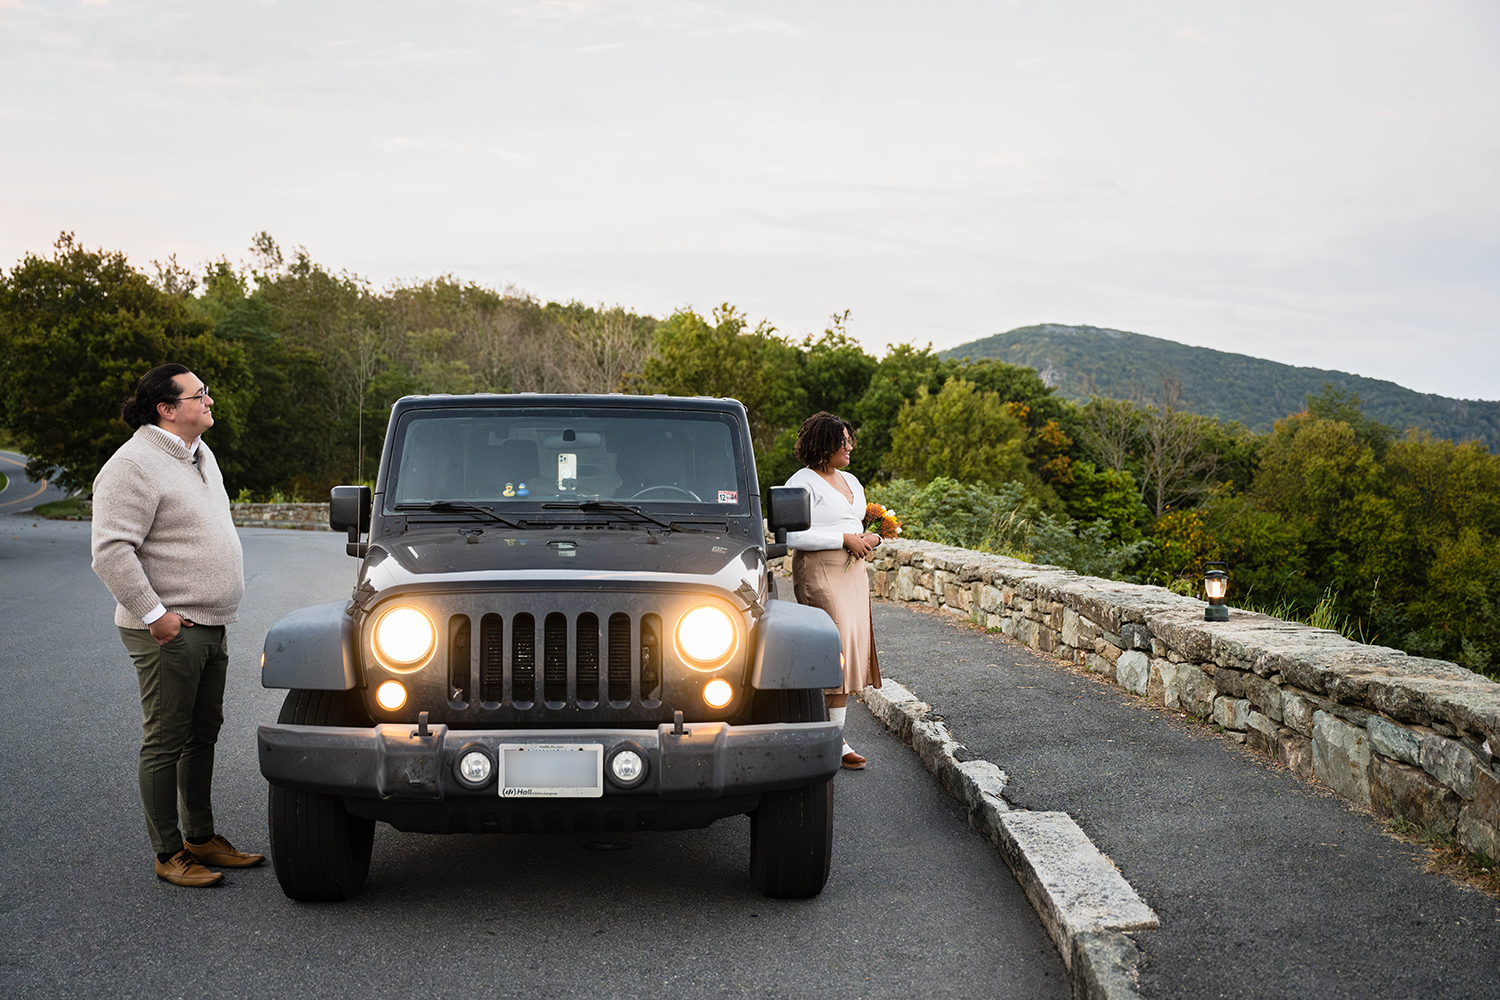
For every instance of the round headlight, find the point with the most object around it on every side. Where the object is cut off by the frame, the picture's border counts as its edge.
(391, 695)
(404, 636)
(718, 693)
(705, 634)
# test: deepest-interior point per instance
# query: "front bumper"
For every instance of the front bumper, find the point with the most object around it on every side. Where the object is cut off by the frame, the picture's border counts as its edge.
(393, 762)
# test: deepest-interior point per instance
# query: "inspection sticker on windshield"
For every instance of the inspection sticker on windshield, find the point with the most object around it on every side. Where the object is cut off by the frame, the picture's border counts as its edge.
(729, 496)
(551, 770)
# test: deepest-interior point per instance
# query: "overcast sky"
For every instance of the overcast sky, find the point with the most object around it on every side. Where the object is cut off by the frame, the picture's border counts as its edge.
(1313, 182)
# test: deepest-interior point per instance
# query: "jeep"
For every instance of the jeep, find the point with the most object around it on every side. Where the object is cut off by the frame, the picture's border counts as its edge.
(563, 621)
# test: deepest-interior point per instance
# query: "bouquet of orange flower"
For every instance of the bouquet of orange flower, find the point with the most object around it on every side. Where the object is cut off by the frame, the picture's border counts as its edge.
(879, 519)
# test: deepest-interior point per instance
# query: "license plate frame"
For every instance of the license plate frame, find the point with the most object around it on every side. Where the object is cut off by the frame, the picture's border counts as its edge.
(551, 770)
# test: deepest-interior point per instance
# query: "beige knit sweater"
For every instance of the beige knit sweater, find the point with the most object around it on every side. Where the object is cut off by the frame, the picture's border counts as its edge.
(162, 532)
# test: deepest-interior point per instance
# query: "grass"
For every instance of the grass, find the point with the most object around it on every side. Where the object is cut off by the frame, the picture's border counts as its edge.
(1324, 615)
(71, 509)
(1449, 858)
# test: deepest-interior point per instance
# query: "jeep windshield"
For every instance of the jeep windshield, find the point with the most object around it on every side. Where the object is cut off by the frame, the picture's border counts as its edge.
(550, 465)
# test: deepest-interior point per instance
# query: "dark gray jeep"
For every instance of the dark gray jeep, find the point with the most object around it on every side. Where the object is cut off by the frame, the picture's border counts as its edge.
(563, 622)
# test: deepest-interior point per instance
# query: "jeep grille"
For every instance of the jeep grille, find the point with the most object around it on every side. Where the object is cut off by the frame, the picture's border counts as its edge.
(517, 659)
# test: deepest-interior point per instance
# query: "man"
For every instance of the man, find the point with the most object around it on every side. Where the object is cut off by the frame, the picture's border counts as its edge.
(165, 546)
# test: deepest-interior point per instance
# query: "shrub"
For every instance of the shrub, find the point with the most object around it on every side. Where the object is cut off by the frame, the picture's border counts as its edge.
(1006, 520)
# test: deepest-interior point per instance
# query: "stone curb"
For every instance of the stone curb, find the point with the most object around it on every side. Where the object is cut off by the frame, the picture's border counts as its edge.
(1081, 898)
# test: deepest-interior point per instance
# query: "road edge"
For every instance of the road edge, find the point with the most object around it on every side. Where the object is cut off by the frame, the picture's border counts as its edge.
(1080, 897)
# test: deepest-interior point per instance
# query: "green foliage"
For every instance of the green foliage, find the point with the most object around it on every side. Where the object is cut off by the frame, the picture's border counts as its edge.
(285, 407)
(1084, 548)
(1006, 520)
(835, 371)
(961, 433)
(1265, 553)
(69, 509)
(77, 331)
(896, 381)
(692, 356)
(1338, 405)
(948, 512)
(1093, 493)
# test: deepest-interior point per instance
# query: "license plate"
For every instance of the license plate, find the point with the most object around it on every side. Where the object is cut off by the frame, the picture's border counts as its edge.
(551, 770)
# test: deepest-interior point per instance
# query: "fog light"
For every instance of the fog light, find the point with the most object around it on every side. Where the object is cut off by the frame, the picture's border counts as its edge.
(718, 693)
(627, 766)
(391, 695)
(475, 768)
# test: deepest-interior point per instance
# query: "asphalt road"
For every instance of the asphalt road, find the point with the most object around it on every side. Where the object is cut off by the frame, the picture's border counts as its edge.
(20, 494)
(1266, 885)
(917, 906)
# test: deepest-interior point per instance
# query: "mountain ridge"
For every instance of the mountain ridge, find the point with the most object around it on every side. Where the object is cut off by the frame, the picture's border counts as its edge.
(1083, 360)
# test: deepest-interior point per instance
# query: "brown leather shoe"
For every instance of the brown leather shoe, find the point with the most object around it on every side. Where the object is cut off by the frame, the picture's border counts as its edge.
(221, 854)
(853, 761)
(183, 869)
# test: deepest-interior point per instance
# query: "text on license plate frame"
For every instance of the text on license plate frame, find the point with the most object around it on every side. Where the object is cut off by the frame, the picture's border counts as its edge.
(551, 770)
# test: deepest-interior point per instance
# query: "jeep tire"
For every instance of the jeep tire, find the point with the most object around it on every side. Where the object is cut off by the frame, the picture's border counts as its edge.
(319, 851)
(791, 832)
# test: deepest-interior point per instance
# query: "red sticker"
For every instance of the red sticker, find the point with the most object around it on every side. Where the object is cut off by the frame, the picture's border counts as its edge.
(729, 496)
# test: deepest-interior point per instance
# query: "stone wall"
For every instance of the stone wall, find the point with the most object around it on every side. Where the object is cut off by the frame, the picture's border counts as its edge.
(307, 516)
(1402, 735)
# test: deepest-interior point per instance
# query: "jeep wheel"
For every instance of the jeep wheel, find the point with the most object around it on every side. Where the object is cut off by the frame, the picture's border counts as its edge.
(319, 851)
(791, 833)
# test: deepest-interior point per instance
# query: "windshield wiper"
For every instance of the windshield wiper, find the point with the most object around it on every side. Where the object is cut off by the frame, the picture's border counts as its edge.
(589, 505)
(458, 507)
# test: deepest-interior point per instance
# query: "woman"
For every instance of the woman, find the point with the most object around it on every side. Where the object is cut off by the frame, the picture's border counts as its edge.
(828, 569)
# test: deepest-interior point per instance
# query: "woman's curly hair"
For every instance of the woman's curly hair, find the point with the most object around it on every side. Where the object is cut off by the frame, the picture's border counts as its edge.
(820, 436)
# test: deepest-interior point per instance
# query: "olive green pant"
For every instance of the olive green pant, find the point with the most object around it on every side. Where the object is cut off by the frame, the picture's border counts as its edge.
(182, 709)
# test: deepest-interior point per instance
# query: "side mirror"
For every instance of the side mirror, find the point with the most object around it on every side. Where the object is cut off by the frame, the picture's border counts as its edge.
(349, 510)
(790, 509)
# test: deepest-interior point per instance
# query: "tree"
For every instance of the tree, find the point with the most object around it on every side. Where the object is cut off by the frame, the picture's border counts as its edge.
(77, 331)
(1109, 430)
(693, 357)
(599, 349)
(1092, 494)
(1336, 404)
(835, 371)
(898, 376)
(961, 433)
(338, 317)
(283, 446)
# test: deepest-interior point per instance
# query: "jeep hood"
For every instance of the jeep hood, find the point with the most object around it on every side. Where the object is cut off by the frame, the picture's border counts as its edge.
(494, 553)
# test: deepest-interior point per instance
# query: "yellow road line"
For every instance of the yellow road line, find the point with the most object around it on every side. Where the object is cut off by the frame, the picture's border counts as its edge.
(41, 488)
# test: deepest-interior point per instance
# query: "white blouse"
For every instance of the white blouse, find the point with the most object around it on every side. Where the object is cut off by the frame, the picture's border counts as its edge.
(833, 516)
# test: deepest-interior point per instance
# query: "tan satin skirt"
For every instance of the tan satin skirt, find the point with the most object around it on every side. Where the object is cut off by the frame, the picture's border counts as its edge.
(821, 580)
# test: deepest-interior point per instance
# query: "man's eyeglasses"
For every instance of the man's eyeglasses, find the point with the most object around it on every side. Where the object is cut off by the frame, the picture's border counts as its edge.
(201, 393)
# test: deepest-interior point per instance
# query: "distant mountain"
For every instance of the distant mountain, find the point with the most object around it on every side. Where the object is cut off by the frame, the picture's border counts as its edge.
(1079, 360)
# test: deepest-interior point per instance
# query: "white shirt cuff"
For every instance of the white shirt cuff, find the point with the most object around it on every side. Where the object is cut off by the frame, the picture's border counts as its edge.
(154, 613)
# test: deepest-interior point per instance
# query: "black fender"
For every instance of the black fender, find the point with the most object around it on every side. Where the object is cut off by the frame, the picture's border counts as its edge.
(311, 649)
(798, 648)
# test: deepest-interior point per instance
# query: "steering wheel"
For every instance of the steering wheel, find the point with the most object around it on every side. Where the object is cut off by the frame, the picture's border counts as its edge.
(674, 489)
